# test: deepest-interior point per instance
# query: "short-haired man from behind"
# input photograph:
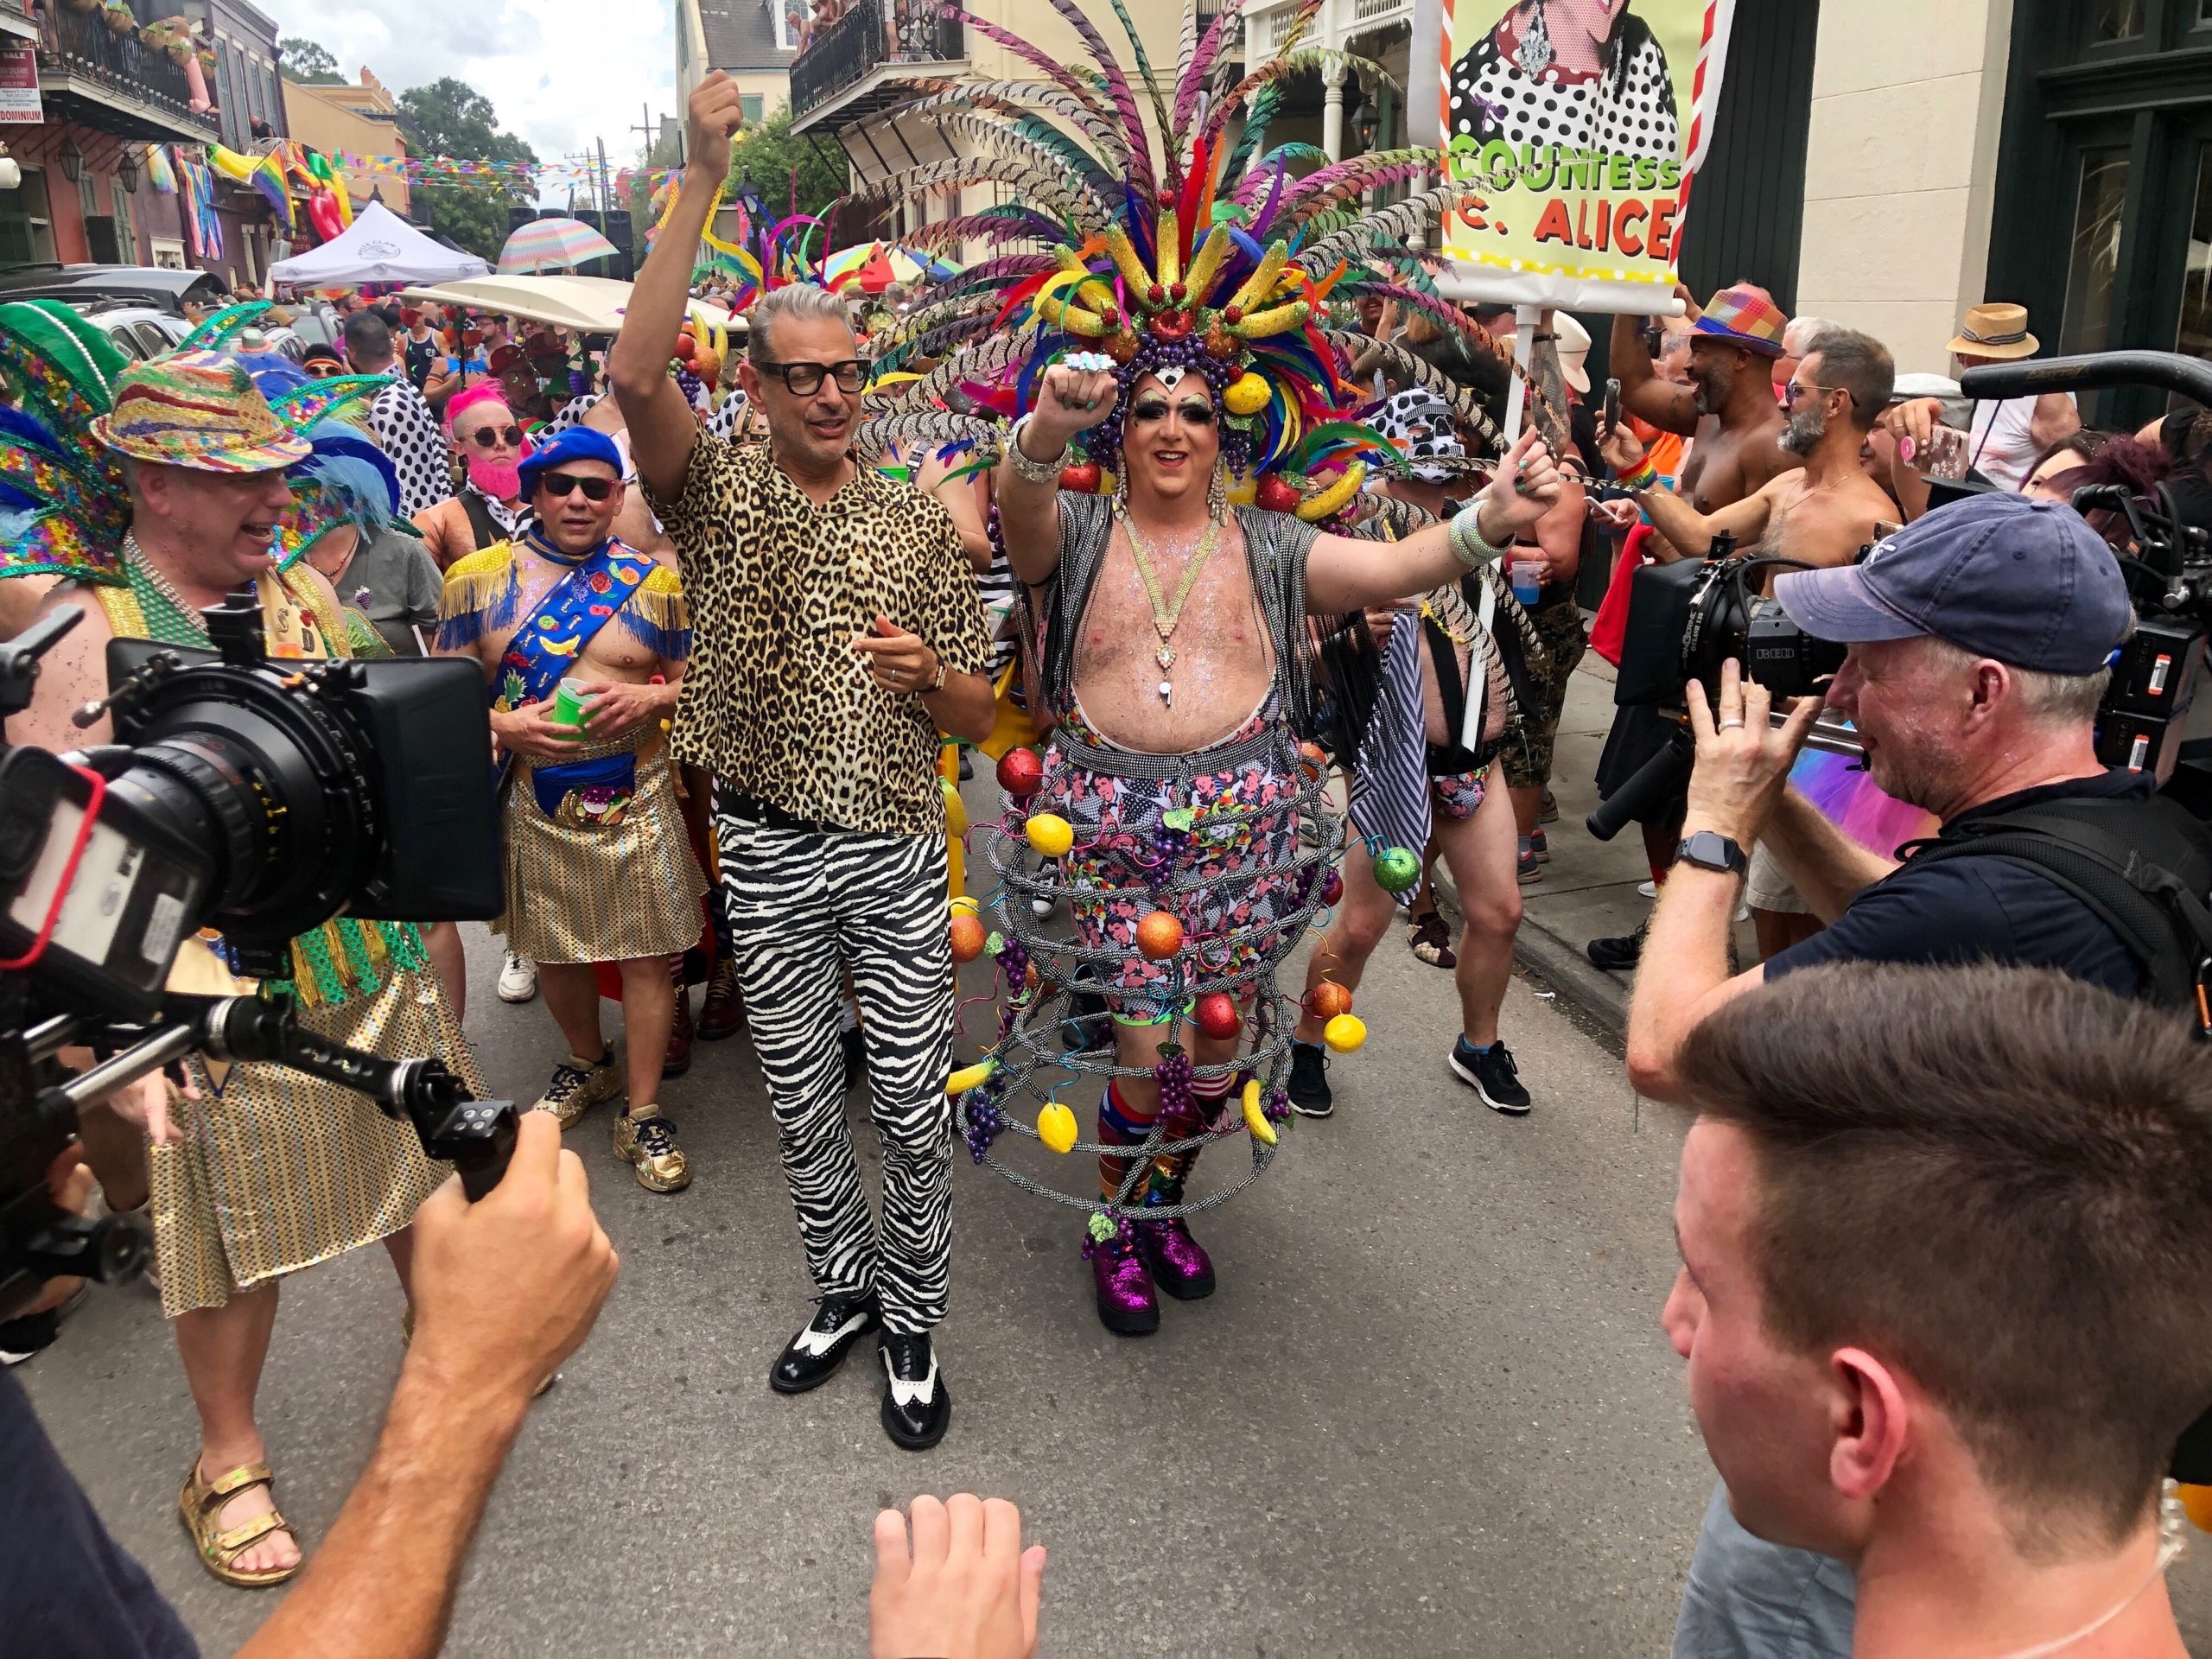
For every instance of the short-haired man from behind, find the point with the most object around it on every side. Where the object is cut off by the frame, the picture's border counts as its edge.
(1947, 1340)
(402, 423)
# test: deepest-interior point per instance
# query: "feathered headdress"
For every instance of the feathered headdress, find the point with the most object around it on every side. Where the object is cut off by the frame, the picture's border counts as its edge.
(347, 479)
(64, 504)
(1196, 253)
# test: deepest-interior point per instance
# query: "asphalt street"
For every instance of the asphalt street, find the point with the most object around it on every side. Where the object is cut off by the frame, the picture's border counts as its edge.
(1429, 1411)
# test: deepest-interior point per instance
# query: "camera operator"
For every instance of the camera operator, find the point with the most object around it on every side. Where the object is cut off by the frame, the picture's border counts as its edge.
(505, 1289)
(1978, 640)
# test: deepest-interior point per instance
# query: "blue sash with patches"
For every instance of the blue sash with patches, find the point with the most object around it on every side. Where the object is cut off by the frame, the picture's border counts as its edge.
(545, 648)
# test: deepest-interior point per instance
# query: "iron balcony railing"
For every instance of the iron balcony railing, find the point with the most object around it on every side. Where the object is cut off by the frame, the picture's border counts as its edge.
(80, 43)
(859, 42)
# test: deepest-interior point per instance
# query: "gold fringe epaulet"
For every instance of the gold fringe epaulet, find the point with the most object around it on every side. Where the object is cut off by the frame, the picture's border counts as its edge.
(478, 582)
(659, 600)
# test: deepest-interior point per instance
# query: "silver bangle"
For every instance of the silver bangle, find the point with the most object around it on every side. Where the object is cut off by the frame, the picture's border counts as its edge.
(1036, 472)
(1465, 537)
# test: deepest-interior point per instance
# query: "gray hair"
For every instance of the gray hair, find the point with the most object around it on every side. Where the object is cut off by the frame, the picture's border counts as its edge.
(1800, 330)
(796, 300)
(2050, 700)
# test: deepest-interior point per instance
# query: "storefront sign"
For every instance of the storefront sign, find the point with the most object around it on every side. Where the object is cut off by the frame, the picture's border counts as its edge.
(19, 105)
(1577, 129)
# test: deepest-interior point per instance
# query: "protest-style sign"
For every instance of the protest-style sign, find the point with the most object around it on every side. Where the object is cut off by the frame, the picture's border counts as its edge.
(1578, 127)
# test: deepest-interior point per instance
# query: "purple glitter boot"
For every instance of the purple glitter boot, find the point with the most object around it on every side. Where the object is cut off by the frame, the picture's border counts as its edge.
(1126, 1304)
(1178, 1263)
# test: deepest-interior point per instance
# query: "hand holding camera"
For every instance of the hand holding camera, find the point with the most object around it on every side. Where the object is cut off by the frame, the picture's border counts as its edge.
(1743, 758)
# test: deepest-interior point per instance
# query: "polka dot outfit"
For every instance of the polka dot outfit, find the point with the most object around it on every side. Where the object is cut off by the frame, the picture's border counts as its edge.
(409, 435)
(1627, 114)
(722, 423)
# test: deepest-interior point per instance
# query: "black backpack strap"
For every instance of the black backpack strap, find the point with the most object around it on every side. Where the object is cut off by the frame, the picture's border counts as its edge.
(481, 524)
(2141, 866)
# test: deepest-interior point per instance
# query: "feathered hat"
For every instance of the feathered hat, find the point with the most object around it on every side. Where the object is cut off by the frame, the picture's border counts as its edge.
(1208, 257)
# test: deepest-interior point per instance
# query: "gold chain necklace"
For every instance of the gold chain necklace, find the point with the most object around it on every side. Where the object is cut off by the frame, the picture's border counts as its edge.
(1165, 617)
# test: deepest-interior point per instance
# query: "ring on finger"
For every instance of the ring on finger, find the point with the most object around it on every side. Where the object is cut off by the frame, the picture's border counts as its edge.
(1730, 725)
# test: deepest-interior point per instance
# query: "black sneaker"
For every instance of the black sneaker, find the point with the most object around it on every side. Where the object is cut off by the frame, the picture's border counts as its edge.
(1086, 1027)
(854, 1048)
(1492, 1075)
(811, 1356)
(917, 1406)
(1619, 955)
(1309, 1080)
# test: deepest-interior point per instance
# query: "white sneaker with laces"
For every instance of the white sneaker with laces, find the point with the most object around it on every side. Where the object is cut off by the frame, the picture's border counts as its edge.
(518, 979)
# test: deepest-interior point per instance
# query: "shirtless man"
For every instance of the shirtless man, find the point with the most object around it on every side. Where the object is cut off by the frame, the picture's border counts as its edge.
(1729, 413)
(598, 867)
(1820, 514)
(485, 436)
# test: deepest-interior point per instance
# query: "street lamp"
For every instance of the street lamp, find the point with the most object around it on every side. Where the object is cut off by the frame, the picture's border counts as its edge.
(72, 161)
(126, 170)
(1370, 122)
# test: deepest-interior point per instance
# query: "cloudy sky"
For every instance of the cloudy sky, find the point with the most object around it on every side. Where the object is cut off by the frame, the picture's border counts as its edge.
(560, 72)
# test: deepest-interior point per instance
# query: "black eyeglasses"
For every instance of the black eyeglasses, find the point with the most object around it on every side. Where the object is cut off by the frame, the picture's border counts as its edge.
(1797, 388)
(1193, 412)
(490, 437)
(559, 484)
(804, 379)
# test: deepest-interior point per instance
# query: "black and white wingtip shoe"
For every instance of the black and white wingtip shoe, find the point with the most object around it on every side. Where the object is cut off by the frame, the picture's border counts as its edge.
(917, 1406)
(812, 1356)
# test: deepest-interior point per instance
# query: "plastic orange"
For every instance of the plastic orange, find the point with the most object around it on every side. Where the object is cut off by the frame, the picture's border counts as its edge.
(1159, 936)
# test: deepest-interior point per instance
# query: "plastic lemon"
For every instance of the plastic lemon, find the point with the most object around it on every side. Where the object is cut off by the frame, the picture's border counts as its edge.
(1244, 492)
(1345, 1032)
(1246, 395)
(1051, 835)
(1254, 1119)
(965, 905)
(1056, 1127)
(967, 1077)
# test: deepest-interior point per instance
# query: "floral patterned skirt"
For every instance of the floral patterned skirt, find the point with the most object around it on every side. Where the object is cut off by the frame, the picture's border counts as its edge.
(1116, 872)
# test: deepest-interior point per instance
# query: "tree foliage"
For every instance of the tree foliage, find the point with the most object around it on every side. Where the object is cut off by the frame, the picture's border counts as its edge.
(765, 160)
(449, 117)
(308, 63)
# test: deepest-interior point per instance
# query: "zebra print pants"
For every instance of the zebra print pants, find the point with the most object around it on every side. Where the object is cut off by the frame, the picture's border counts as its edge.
(803, 908)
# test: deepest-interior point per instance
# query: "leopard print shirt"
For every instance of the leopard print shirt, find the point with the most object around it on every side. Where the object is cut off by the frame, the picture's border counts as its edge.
(776, 703)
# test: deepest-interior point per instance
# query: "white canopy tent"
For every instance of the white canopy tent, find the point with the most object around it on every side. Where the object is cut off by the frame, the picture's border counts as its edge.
(379, 246)
(590, 305)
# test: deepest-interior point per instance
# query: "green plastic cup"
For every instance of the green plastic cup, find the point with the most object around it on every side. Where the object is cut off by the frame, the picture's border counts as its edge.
(569, 703)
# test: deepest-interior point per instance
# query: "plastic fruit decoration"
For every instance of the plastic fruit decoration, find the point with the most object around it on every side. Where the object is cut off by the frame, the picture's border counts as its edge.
(1276, 495)
(969, 1077)
(1246, 395)
(967, 938)
(1056, 1127)
(1344, 1033)
(1255, 1118)
(1217, 1016)
(1396, 870)
(1082, 477)
(1159, 936)
(1328, 1000)
(1051, 835)
(1312, 761)
(1332, 886)
(1020, 773)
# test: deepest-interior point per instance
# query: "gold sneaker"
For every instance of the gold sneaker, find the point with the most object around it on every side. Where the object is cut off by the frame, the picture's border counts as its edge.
(578, 1086)
(648, 1144)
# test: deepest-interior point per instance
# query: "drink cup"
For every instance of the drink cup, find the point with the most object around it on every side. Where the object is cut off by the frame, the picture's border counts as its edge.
(568, 702)
(1527, 579)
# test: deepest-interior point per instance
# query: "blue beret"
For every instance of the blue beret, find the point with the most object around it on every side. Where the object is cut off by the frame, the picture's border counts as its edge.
(575, 444)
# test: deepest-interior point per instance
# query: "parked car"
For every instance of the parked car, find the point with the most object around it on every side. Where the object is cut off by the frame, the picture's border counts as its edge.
(139, 331)
(156, 286)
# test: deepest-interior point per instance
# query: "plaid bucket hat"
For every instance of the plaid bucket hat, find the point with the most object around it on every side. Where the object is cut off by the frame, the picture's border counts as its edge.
(1743, 318)
(199, 410)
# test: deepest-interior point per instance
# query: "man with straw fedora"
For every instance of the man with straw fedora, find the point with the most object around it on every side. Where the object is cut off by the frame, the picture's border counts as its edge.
(2008, 433)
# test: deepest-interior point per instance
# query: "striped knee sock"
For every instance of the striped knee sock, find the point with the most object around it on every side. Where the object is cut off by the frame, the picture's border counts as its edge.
(1170, 1169)
(1117, 1127)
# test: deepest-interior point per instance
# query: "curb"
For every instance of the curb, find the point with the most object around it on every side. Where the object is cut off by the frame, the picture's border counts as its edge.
(1560, 964)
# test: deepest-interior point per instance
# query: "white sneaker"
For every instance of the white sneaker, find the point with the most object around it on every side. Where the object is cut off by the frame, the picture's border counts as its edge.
(1648, 889)
(518, 979)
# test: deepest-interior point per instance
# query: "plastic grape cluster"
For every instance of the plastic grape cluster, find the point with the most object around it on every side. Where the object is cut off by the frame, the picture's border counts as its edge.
(1173, 1074)
(986, 1122)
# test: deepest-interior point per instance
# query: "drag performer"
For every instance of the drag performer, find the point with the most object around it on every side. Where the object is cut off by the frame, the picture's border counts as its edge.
(267, 1171)
(1177, 652)
(836, 632)
(583, 641)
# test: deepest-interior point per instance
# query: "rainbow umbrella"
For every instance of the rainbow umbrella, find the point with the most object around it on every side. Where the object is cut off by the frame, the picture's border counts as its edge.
(546, 245)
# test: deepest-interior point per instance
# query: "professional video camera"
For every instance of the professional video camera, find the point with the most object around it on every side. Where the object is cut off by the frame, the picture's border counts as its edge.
(1688, 618)
(257, 797)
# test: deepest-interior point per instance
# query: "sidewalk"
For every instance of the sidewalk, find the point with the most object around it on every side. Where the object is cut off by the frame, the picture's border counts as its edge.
(1589, 888)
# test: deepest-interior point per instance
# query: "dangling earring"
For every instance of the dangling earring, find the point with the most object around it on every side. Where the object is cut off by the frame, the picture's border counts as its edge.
(1218, 492)
(1535, 53)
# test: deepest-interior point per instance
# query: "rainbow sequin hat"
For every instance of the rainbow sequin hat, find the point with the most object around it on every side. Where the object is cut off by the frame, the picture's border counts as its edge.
(197, 409)
(1742, 316)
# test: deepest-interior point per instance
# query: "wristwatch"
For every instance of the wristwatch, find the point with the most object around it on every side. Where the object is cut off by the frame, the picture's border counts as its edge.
(1711, 850)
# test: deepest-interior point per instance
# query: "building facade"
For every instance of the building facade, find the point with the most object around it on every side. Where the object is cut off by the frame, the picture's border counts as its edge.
(353, 119)
(753, 41)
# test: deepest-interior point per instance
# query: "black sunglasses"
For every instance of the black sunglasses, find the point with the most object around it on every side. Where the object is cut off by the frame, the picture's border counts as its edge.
(490, 437)
(559, 484)
(804, 379)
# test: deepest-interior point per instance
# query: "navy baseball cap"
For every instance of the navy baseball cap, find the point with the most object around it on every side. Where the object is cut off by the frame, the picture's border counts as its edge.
(573, 443)
(2027, 582)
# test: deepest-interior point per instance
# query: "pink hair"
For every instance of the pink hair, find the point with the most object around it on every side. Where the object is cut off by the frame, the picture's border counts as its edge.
(484, 391)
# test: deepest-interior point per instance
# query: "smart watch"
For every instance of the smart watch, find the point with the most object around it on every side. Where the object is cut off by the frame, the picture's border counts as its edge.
(1711, 850)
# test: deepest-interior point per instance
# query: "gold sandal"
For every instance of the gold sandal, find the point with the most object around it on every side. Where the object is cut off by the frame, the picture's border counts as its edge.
(200, 1503)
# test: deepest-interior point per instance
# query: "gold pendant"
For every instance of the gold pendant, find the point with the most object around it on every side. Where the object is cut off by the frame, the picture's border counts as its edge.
(1164, 657)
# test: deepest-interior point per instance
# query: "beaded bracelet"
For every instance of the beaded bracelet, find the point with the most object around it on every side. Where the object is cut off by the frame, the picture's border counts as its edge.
(1465, 539)
(1036, 472)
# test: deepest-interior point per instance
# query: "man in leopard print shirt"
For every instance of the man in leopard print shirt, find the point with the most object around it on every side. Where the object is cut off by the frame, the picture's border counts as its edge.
(835, 631)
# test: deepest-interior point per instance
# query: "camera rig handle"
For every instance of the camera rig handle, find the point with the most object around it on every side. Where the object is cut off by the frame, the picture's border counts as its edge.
(2032, 375)
(19, 657)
